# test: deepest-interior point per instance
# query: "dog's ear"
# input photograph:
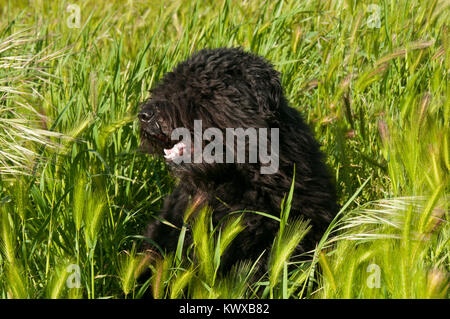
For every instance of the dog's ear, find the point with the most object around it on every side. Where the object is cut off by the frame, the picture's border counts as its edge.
(271, 95)
(275, 93)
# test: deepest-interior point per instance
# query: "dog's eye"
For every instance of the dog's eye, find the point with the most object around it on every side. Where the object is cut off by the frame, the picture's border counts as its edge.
(146, 116)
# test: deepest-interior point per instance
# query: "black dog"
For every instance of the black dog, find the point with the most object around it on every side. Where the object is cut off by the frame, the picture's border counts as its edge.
(230, 88)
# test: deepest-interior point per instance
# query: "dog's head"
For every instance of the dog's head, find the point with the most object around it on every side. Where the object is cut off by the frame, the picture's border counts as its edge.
(156, 128)
(224, 88)
(160, 121)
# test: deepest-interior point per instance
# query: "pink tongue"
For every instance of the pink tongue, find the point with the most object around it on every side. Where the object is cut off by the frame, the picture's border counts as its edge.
(175, 151)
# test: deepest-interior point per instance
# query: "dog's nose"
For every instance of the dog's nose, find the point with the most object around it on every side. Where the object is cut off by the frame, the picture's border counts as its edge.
(145, 116)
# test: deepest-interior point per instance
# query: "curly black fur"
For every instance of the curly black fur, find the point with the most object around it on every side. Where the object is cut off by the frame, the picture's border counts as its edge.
(230, 88)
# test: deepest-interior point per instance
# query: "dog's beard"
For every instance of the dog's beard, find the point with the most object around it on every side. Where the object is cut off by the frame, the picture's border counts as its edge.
(155, 144)
(161, 145)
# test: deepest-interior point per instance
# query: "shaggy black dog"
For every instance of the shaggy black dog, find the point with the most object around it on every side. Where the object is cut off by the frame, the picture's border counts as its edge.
(230, 88)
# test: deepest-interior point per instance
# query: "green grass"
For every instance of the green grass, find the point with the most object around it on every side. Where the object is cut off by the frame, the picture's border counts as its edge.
(76, 192)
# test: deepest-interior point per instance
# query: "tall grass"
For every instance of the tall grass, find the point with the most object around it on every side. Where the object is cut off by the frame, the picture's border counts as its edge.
(22, 65)
(76, 192)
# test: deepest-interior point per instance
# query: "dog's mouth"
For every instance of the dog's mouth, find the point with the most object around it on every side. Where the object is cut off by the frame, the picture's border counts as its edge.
(176, 152)
(161, 144)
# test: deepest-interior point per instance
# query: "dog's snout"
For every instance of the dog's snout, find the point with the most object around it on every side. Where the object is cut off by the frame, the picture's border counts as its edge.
(145, 116)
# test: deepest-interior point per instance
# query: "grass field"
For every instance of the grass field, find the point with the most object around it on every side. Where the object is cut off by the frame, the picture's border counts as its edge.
(370, 77)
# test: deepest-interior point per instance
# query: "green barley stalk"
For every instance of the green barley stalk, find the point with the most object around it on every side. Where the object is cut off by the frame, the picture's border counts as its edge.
(160, 274)
(16, 284)
(57, 283)
(130, 267)
(288, 238)
(204, 245)
(180, 282)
